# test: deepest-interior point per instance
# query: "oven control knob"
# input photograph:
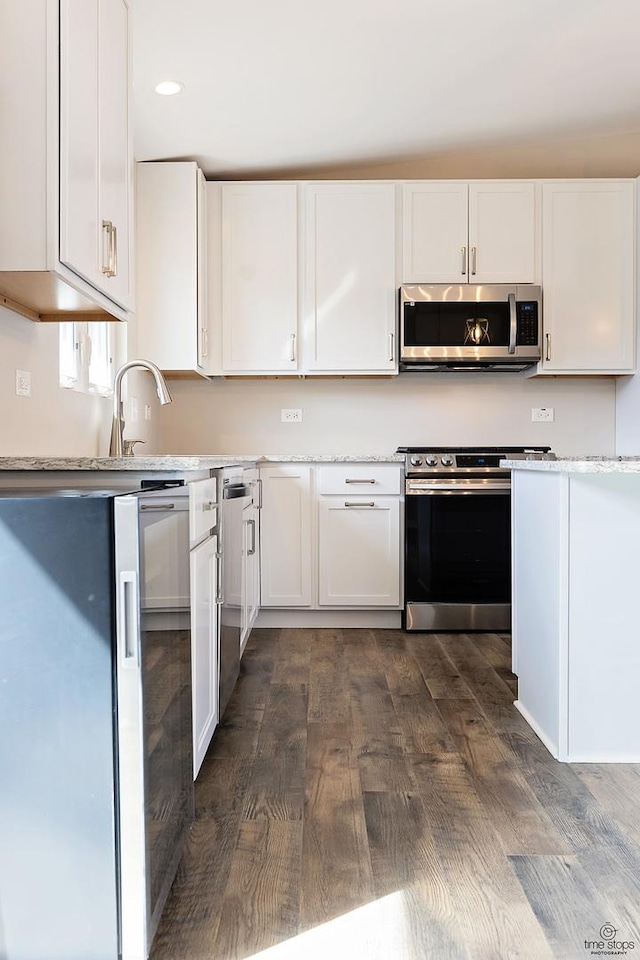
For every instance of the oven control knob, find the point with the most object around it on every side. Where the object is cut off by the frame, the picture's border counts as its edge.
(431, 460)
(446, 460)
(415, 461)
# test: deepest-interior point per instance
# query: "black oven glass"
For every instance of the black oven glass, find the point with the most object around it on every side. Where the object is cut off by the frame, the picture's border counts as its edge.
(433, 324)
(458, 548)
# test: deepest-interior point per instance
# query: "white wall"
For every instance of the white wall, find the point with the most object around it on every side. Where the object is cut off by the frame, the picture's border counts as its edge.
(54, 421)
(375, 416)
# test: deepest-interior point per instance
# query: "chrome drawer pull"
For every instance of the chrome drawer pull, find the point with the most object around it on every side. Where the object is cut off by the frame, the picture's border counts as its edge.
(356, 503)
(348, 480)
(157, 506)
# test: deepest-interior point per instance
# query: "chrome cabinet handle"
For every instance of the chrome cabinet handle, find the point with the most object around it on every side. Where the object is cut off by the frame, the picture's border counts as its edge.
(474, 259)
(359, 503)
(114, 252)
(391, 351)
(209, 505)
(357, 480)
(292, 354)
(513, 323)
(218, 559)
(259, 486)
(157, 506)
(464, 261)
(107, 233)
(252, 549)
(547, 338)
(204, 350)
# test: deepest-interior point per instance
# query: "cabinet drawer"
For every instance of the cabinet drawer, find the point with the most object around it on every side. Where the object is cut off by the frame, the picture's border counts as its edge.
(203, 498)
(360, 478)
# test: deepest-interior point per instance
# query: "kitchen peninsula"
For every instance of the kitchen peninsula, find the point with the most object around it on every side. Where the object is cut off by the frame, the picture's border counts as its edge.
(576, 530)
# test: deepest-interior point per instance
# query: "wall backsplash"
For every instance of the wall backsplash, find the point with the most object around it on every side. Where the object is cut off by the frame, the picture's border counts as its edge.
(348, 416)
(54, 421)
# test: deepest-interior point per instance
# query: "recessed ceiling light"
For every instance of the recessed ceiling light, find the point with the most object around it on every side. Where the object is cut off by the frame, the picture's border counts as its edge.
(168, 88)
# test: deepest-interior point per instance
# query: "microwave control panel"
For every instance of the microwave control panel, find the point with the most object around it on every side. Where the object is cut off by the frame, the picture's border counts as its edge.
(527, 318)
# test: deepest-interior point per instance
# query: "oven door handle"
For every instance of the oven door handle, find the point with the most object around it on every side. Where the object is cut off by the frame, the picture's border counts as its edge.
(433, 489)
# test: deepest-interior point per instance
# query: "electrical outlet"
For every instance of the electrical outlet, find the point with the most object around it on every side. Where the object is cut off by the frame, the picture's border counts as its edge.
(147, 411)
(133, 410)
(23, 383)
(291, 416)
(542, 414)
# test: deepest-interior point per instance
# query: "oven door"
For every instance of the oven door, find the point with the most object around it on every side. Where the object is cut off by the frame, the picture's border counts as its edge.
(458, 555)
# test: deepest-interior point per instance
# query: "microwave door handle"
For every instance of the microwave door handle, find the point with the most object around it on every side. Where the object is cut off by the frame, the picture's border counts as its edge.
(513, 323)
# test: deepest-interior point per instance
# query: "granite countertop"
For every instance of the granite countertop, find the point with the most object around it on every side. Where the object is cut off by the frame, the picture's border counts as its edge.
(166, 462)
(578, 465)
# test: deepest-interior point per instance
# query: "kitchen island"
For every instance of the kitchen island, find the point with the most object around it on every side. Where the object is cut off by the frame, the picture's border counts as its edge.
(576, 582)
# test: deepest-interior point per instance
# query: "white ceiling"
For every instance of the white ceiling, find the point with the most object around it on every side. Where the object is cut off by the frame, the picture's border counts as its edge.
(291, 84)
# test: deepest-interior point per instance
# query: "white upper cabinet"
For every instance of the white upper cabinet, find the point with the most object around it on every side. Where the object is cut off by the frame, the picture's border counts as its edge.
(480, 232)
(259, 278)
(350, 278)
(66, 197)
(173, 325)
(94, 143)
(588, 271)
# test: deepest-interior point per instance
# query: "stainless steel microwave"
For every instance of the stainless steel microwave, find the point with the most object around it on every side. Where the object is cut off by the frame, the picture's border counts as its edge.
(448, 327)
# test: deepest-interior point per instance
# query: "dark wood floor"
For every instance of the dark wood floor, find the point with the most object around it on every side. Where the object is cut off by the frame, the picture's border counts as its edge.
(374, 794)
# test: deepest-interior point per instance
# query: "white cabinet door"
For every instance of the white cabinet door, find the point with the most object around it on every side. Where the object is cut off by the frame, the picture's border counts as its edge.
(259, 278)
(171, 303)
(95, 157)
(115, 153)
(350, 278)
(204, 646)
(80, 230)
(359, 551)
(286, 547)
(502, 232)
(588, 269)
(434, 232)
(482, 232)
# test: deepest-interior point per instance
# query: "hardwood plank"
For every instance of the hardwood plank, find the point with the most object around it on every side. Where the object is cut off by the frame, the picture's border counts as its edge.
(441, 677)
(261, 901)
(328, 679)
(220, 787)
(189, 922)
(565, 901)
(276, 786)
(292, 652)
(403, 857)
(421, 725)
(476, 670)
(494, 917)
(519, 819)
(498, 654)
(336, 869)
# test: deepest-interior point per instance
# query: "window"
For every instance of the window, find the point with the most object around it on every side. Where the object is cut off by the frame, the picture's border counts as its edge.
(87, 357)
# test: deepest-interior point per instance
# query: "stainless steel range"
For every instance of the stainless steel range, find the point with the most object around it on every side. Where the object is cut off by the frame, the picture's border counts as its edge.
(458, 536)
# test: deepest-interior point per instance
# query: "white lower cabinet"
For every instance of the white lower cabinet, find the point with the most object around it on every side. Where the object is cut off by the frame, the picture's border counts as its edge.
(358, 551)
(205, 586)
(331, 536)
(204, 646)
(286, 536)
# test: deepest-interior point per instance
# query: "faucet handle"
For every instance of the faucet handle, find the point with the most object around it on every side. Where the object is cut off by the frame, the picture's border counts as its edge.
(129, 445)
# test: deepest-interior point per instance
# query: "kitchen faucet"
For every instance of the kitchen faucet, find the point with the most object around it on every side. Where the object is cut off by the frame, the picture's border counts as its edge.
(117, 426)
